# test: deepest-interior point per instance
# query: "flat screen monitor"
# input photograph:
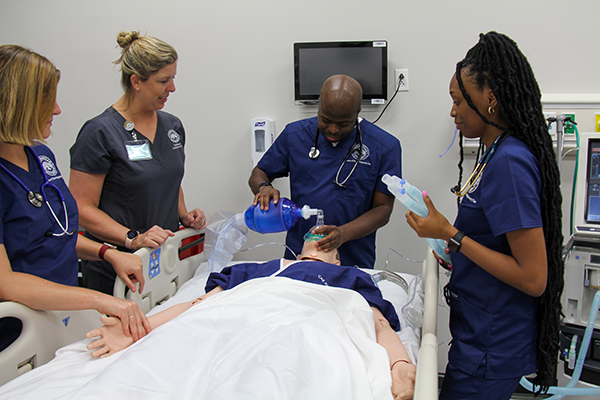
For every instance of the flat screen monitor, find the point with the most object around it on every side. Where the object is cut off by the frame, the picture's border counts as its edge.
(592, 188)
(365, 61)
(586, 201)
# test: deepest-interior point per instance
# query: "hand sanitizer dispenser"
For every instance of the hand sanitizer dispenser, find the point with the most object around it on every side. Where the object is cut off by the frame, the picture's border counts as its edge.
(263, 136)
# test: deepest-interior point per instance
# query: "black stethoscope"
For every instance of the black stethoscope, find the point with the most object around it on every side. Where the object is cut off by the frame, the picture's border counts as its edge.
(38, 198)
(314, 153)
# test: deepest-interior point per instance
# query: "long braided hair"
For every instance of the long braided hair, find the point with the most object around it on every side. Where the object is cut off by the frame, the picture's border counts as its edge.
(497, 62)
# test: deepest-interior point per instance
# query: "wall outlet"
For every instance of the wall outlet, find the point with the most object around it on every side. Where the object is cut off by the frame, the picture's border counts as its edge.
(551, 125)
(401, 79)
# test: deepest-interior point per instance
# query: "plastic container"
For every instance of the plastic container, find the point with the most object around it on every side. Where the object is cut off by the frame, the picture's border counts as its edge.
(279, 217)
(412, 198)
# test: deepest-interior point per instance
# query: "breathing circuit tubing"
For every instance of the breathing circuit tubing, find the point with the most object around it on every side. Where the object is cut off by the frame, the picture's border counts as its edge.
(570, 389)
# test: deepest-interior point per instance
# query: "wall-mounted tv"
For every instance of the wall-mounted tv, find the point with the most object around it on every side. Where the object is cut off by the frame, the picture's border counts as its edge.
(365, 61)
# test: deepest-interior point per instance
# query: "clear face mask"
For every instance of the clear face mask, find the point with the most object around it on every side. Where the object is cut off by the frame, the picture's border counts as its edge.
(312, 237)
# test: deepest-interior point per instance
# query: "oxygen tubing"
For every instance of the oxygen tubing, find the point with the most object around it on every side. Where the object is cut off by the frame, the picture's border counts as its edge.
(570, 389)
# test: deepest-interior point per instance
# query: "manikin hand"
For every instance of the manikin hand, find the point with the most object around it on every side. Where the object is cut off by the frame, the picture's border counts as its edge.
(403, 380)
(111, 338)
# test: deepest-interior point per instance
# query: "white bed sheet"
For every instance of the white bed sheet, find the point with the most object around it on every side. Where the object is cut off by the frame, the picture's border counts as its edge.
(268, 338)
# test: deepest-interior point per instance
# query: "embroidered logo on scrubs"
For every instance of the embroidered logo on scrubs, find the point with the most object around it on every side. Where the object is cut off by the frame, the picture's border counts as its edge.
(175, 139)
(323, 280)
(473, 189)
(49, 168)
(364, 154)
(475, 185)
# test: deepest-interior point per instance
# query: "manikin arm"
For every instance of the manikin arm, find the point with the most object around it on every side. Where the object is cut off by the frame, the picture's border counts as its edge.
(402, 370)
(112, 340)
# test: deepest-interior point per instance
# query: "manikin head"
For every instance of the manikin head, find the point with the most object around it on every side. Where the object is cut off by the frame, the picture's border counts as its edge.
(310, 252)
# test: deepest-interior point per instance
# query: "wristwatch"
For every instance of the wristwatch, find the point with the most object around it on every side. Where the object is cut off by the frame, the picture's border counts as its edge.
(455, 241)
(264, 184)
(129, 238)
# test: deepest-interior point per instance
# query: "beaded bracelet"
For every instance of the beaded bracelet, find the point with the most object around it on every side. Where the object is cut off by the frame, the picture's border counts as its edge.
(397, 361)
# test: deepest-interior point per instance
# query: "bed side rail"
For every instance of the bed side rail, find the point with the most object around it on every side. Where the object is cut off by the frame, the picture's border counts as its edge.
(165, 268)
(43, 333)
(426, 387)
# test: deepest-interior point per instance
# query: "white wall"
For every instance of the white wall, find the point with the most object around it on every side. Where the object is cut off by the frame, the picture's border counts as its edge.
(236, 63)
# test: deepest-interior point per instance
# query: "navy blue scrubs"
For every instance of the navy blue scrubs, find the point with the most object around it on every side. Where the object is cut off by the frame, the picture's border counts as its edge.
(311, 181)
(318, 272)
(493, 325)
(25, 230)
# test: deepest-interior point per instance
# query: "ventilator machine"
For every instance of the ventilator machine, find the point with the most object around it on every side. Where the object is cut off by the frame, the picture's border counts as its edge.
(581, 293)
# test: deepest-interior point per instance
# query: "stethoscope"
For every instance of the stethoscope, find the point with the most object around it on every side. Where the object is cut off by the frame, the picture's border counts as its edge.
(485, 158)
(314, 153)
(38, 198)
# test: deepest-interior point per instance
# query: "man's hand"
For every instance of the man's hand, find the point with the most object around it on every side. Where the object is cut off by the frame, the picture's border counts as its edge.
(264, 195)
(334, 239)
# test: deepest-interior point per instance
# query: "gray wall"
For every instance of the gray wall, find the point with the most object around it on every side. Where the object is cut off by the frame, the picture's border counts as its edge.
(236, 63)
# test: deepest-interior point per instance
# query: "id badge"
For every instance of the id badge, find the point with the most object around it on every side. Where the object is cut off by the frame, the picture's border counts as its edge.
(138, 150)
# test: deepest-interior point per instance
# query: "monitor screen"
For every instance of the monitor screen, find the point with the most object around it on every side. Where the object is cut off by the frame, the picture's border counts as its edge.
(592, 209)
(365, 61)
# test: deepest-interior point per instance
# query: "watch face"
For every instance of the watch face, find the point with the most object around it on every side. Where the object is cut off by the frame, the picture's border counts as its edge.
(132, 234)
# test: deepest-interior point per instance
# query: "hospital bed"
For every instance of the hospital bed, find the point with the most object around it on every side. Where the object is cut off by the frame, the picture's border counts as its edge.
(216, 339)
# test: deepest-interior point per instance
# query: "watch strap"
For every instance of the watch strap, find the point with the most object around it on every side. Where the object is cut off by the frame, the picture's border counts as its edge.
(264, 184)
(103, 250)
(455, 241)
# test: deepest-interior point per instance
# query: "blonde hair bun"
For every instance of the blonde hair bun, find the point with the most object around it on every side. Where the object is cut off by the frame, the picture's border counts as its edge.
(124, 39)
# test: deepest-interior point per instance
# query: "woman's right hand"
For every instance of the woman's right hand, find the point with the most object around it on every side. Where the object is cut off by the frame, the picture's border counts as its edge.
(153, 238)
(128, 266)
(133, 321)
(435, 226)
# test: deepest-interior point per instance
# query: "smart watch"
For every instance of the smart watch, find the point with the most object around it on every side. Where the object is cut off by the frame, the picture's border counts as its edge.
(129, 238)
(455, 241)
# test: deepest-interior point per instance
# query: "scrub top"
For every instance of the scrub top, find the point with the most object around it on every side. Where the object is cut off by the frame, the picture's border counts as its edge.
(137, 194)
(318, 272)
(312, 181)
(26, 231)
(488, 318)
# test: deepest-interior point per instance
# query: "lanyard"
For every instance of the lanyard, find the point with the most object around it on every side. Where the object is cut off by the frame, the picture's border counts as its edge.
(485, 158)
(38, 198)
